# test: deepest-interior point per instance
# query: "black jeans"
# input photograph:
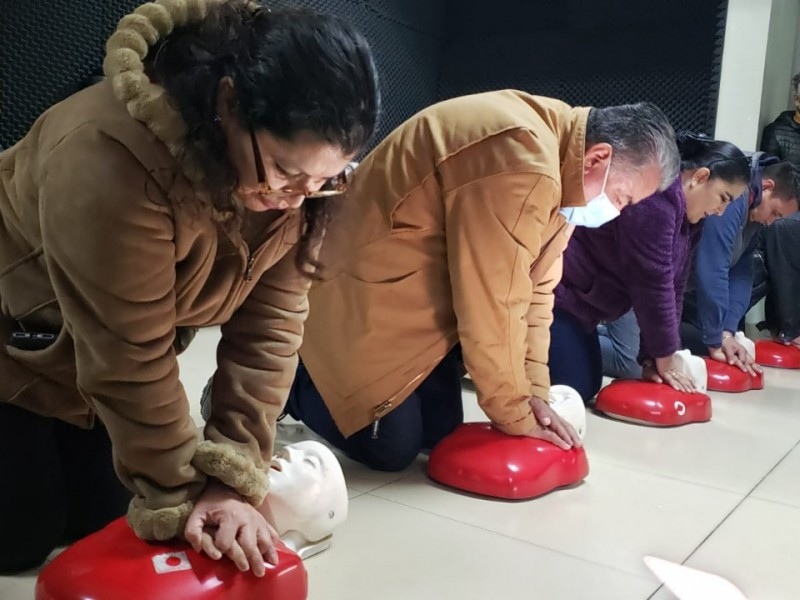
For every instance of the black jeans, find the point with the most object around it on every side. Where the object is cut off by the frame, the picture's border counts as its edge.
(430, 413)
(57, 485)
(780, 277)
(575, 358)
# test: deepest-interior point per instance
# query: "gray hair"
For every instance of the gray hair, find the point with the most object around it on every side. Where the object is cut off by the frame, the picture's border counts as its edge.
(639, 134)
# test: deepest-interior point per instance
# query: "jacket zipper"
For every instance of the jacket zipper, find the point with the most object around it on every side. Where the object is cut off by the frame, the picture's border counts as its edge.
(380, 411)
(248, 272)
(384, 408)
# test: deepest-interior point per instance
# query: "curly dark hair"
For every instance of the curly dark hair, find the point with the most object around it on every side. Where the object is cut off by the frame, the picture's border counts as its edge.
(293, 71)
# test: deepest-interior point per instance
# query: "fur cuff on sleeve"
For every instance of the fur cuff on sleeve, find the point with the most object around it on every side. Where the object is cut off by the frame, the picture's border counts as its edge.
(237, 471)
(161, 524)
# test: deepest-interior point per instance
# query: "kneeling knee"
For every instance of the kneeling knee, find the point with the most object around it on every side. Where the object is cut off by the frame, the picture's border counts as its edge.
(392, 462)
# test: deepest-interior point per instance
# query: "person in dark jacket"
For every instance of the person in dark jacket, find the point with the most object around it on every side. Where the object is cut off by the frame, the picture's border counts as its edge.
(782, 137)
(778, 278)
(640, 260)
(719, 292)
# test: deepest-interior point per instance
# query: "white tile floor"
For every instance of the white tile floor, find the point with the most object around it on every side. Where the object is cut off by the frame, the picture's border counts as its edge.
(722, 497)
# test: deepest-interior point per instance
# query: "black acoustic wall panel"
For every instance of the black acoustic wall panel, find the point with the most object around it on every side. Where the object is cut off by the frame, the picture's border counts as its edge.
(50, 46)
(406, 38)
(591, 52)
(594, 52)
(47, 48)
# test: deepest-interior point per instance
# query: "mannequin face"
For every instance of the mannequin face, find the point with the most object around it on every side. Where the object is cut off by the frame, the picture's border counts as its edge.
(567, 404)
(307, 490)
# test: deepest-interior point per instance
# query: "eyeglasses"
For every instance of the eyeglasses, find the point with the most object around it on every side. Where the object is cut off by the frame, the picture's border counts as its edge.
(333, 187)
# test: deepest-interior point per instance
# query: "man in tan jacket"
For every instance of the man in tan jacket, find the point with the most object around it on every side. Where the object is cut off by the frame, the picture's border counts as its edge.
(450, 240)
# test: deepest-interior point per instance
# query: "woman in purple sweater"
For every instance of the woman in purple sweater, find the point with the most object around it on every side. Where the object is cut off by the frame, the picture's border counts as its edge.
(640, 260)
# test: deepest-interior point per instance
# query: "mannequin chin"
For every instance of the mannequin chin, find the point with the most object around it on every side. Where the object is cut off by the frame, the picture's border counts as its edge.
(694, 367)
(307, 497)
(567, 404)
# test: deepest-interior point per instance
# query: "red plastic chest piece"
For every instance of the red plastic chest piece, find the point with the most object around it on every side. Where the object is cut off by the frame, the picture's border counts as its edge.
(478, 458)
(723, 377)
(773, 354)
(113, 564)
(652, 403)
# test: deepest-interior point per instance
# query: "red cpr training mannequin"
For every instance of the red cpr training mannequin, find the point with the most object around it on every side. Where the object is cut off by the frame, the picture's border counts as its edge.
(723, 377)
(773, 354)
(478, 458)
(652, 403)
(113, 564)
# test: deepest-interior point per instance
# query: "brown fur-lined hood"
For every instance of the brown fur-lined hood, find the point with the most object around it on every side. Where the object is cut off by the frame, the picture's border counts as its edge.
(126, 50)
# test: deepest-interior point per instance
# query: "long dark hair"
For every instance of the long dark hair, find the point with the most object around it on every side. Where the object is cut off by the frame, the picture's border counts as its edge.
(723, 159)
(292, 71)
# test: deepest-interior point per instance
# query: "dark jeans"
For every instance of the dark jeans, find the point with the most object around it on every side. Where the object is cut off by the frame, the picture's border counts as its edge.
(57, 485)
(575, 358)
(779, 277)
(430, 413)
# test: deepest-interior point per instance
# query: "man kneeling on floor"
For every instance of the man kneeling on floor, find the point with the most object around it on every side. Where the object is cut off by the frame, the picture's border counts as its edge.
(449, 241)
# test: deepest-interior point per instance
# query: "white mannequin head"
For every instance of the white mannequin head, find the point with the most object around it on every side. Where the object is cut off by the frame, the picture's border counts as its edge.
(307, 490)
(567, 404)
(748, 344)
(693, 367)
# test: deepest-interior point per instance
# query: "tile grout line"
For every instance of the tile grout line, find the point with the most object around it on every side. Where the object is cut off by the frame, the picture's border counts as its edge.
(383, 485)
(509, 537)
(728, 516)
(620, 465)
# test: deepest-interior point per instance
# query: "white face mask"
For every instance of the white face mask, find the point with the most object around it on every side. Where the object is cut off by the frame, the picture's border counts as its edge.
(597, 212)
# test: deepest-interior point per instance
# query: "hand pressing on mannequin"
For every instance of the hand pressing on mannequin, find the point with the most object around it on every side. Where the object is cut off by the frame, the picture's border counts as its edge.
(224, 523)
(733, 353)
(665, 370)
(552, 428)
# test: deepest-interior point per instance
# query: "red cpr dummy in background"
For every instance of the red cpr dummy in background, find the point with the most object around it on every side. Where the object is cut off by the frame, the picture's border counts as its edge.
(723, 377)
(652, 403)
(774, 354)
(113, 564)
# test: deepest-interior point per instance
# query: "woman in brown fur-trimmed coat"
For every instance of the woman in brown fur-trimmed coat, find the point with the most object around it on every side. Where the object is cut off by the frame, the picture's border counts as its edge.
(168, 197)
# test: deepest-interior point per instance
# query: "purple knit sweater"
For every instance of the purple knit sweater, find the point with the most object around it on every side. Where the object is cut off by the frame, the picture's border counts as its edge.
(641, 260)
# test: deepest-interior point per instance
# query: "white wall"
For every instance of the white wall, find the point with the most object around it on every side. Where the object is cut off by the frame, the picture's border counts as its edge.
(776, 94)
(757, 65)
(742, 78)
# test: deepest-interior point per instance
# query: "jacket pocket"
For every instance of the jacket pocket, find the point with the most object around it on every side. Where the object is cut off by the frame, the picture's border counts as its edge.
(25, 286)
(43, 381)
(56, 362)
